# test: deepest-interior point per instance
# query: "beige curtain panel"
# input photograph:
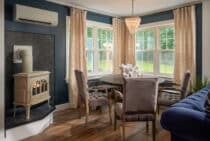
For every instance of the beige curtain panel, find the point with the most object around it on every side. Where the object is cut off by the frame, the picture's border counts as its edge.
(130, 48)
(77, 51)
(124, 45)
(184, 19)
(119, 44)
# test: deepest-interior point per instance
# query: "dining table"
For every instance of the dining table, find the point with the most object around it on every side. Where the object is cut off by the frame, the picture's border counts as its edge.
(117, 79)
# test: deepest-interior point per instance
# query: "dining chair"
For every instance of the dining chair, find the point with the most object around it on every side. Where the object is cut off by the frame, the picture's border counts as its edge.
(139, 102)
(90, 98)
(170, 95)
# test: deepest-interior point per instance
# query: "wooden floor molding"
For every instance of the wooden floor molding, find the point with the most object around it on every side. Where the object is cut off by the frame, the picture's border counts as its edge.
(68, 127)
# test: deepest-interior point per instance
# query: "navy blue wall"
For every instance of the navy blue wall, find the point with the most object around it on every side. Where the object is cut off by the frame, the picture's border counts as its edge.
(162, 16)
(168, 15)
(99, 18)
(199, 41)
(59, 32)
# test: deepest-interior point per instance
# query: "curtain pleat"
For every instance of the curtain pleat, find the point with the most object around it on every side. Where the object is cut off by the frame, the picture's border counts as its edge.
(184, 19)
(119, 44)
(124, 45)
(130, 48)
(77, 51)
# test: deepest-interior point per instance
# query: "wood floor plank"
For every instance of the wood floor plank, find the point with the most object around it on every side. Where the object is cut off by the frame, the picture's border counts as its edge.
(68, 127)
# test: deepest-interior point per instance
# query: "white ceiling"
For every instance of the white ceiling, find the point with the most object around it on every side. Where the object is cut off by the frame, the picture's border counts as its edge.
(123, 7)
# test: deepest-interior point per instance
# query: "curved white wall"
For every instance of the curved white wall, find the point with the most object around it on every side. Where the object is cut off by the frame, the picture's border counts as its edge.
(206, 39)
(27, 130)
(1, 70)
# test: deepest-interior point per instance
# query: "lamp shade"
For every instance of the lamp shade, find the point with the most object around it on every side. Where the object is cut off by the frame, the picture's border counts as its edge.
(132, 24)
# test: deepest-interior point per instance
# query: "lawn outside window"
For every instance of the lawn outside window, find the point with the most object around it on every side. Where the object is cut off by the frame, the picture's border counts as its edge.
(155, 44)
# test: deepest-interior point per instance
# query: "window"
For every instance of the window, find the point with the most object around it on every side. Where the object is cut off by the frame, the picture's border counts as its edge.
(145, 47)
(89, 50)
(155, 49)
(99, 49)
(166, 50)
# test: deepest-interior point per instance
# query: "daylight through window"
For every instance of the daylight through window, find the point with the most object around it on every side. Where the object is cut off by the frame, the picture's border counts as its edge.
(99, 49)
(155, 49)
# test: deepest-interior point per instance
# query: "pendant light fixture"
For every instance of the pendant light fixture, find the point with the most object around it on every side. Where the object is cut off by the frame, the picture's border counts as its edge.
(132, 22)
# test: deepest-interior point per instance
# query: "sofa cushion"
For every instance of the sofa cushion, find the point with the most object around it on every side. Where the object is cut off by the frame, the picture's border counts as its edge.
(187, 119)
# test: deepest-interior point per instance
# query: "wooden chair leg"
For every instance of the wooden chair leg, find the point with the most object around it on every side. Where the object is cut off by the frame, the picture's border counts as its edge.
(110, 108)
(86, 116)
(80, 111)
(87, 112)
(115, 116)
(158, 109)
(115, 122)
(86, 119)
(123, 130)
(154, 130)
(110, 113)
(147, 126)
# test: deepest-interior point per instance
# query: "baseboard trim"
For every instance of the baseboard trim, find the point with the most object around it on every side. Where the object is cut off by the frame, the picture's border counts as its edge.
(64, 106)
(27, 130)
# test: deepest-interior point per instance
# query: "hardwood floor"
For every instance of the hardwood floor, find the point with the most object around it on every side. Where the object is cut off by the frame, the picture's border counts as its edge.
(67, 127)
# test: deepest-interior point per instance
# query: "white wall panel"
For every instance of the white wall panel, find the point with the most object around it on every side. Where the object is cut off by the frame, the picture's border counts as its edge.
(206, 39)
(1, 69)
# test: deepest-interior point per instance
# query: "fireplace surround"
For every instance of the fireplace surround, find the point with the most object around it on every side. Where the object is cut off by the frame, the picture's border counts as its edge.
(43, 51)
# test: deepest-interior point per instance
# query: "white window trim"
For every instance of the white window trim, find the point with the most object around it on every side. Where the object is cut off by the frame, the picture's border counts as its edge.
(156, 26)
(205, 40)
(96, 25)
(67, 46)
(2, 73)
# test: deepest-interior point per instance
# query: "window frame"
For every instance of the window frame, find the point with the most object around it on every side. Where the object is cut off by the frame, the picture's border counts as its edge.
(97, 25)
(156, 59)
(68, 22)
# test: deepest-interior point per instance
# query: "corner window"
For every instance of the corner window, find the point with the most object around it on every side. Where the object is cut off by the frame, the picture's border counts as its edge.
(155, 49)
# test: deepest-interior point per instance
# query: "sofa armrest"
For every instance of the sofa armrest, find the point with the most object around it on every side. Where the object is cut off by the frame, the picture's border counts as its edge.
(187, 123)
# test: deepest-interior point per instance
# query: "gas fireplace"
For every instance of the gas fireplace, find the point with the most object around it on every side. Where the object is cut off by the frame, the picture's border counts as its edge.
(30, 89)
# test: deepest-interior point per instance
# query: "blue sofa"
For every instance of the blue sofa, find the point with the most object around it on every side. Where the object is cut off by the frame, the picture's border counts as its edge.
(187, 119)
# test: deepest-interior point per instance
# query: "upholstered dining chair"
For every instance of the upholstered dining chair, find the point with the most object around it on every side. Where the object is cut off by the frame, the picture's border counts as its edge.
(90, 98)
(139, 102)
(170, 95)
